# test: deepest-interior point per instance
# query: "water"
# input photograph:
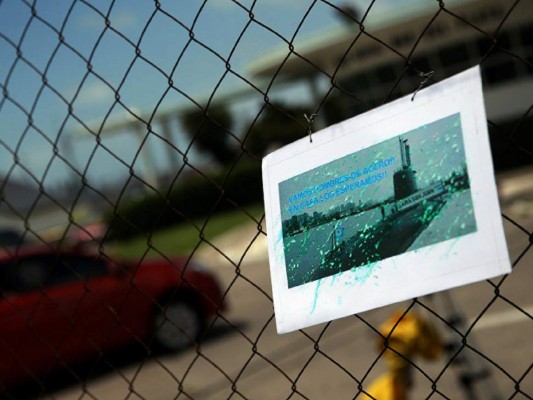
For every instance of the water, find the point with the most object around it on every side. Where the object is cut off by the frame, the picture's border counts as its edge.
(304, 252)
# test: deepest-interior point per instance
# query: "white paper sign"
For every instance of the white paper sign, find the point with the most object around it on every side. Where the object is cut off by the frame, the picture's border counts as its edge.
(393, 204)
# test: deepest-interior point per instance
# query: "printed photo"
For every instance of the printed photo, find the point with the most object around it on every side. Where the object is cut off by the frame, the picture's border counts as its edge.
(397, 196)
(395, 203)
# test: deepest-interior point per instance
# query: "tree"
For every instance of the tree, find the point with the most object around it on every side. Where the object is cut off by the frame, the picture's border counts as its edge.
(278, 125)
(210, 131)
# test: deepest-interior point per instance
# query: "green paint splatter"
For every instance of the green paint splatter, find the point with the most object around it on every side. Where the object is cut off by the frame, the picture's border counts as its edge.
(315, 298)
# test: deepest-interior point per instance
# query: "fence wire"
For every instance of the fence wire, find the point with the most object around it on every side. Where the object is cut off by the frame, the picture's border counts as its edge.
(80, 196)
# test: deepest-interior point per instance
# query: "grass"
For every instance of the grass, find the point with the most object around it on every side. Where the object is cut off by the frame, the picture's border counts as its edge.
(180, 240)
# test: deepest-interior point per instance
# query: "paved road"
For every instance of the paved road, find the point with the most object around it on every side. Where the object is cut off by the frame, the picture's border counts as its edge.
(265, 363)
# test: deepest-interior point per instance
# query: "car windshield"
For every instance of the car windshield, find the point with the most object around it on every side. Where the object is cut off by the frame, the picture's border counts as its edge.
(38, 272)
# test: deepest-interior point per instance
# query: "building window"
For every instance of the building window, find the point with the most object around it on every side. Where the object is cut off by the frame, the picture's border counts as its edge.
(356, 83)
(526, 36)
(500, 72)
(386, 74)
(422, 63)
(484, 45)
(503, 41)
(529, 68)
(454, 55)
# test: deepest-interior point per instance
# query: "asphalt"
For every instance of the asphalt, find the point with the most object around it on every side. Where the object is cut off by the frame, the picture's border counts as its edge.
(246, 358)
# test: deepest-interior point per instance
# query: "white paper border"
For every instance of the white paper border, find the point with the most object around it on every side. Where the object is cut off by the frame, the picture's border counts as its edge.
(480, 255)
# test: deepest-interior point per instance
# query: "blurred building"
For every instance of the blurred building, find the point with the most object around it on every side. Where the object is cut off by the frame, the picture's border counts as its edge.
(43, 214)
(376, 61)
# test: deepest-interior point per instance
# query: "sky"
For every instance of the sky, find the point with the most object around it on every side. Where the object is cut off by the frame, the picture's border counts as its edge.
(58, 39)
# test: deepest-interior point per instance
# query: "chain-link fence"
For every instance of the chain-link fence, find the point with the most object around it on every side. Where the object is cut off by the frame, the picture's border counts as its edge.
(133, 260)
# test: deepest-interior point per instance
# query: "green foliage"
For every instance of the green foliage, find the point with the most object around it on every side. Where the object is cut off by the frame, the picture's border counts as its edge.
(182, 239)
(277, 126)
(190, 198)
(210, 131)
(339, 107)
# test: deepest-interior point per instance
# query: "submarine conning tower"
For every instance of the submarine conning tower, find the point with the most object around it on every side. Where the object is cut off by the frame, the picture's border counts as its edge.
(404, 179)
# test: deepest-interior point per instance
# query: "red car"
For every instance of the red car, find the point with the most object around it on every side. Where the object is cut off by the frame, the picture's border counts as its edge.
(58, 308)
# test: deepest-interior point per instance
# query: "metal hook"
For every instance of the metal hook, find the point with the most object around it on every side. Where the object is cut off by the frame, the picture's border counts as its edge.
(310, 120)
(426, 77)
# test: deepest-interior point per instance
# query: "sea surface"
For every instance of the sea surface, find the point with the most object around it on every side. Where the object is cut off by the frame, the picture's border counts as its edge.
(304, 252)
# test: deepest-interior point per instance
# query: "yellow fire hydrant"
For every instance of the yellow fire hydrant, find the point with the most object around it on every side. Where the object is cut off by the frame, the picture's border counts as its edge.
(406, 337)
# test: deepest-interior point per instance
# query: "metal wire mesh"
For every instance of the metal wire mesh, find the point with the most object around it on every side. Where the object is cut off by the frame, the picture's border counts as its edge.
(486, 327)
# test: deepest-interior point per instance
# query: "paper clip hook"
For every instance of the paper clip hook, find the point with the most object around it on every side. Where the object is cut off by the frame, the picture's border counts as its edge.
(310, 121)
(426, 76)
